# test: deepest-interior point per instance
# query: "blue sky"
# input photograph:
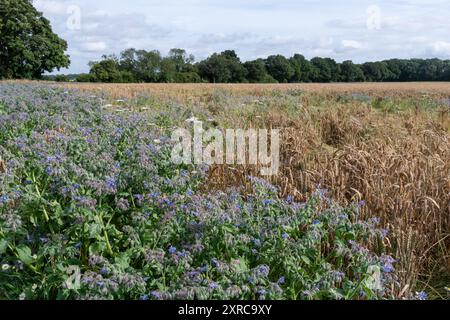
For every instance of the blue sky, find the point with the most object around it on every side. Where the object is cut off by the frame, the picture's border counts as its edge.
(342, 29)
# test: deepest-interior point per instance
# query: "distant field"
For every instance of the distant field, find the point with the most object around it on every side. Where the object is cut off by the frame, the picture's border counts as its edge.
(379, 89)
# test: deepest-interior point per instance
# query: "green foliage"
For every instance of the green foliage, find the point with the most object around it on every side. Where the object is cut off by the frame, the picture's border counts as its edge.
(303, 69)
(376, 71)
(62, 78)
(28, 46)
(85, 77)
(351, 72)
(326, 70)
(256, 70)
(223, 68)
(279, 68)
(226, 67)
(188, 77)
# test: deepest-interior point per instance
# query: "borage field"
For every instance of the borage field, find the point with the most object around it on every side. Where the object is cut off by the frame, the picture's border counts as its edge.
(92, 207)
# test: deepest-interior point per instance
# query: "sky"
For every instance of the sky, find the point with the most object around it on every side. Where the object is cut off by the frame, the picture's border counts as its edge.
(357, 30)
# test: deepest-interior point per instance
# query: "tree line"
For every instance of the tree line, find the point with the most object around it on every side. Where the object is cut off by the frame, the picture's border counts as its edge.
(226, 67)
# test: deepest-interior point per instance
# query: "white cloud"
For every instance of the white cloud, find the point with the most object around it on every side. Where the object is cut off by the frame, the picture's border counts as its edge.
(99, 46)
(353, 44)
(51, 7)
(441, 48)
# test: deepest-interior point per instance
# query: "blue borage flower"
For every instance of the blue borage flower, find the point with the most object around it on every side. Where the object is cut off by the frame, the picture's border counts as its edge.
(262, 292)
(4, 198)
(257, 242)
(156, 295)
(422, 295)
(172, 250)
(104, 271)
(213, 285)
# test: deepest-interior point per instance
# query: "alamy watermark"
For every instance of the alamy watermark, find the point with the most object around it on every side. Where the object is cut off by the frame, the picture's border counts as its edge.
(373, 21)
(73, 22)
(232, 146)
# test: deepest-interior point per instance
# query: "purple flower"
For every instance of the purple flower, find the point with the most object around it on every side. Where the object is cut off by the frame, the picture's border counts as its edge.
(172, 250)
(262, 271)
(215, 262)
(422, 295)
(111, 183)
(156, 295)
(213, 286)
(387, 262)
(262, 292)
(104, 271)
(388, 268)
(4, 199)
(123, 205)
(44, 239)
(257, 242)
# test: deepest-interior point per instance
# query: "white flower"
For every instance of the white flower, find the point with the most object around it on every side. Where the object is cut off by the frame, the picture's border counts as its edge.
(5, 267)
(193, 120)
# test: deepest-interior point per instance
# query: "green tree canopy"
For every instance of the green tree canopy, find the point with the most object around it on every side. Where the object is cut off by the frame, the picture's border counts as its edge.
(327, 70)
(180, 59)
(257, 72)
(351, 72)
(223, 68)
(106, 71)
(377, 71)
(303, 70)
(28, 46)
(279, 68)
(226, 67)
